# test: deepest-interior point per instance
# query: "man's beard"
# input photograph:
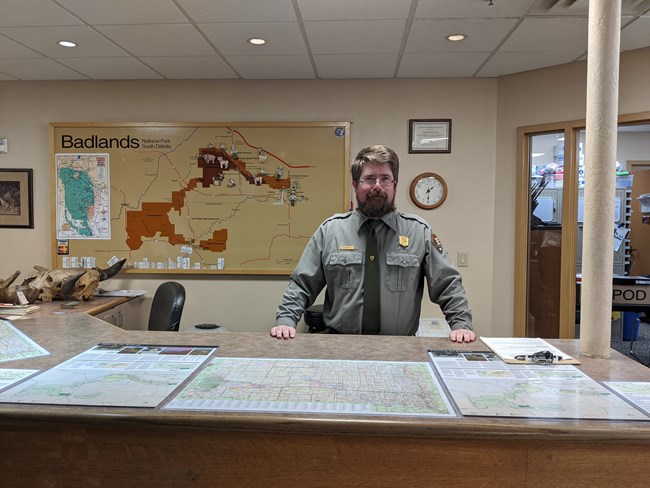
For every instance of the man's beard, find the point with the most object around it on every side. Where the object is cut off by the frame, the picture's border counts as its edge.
(376, 204)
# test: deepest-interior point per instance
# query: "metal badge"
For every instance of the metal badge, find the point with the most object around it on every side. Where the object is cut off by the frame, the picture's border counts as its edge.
(404, 241)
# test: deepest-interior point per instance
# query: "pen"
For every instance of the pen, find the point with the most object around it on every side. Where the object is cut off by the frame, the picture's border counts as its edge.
(540, 357)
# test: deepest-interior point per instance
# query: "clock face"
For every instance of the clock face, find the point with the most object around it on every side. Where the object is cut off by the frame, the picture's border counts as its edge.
(428, 190)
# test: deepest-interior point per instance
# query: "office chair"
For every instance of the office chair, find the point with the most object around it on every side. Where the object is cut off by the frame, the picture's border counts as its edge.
(314, 319)
(167, 307)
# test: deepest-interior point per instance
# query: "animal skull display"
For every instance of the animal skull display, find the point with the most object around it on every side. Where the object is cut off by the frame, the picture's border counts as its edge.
(59, 283)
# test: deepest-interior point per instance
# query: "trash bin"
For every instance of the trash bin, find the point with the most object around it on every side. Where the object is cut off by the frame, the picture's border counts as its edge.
(630, 326)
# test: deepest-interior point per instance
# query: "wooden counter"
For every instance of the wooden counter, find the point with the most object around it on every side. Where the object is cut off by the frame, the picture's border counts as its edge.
(93, 307)
(58, 446)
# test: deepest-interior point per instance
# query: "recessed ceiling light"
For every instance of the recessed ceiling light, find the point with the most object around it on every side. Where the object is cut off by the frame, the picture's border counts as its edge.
(67, 44)
(456, 37)
(258, 41)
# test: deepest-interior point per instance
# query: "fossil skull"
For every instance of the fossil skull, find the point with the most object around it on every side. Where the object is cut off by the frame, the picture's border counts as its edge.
(63, 283)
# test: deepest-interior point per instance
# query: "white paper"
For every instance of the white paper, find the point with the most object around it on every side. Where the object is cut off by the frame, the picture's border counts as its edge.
(509, 347)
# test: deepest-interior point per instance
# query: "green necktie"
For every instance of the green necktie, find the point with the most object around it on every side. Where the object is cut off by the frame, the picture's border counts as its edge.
(371, 311)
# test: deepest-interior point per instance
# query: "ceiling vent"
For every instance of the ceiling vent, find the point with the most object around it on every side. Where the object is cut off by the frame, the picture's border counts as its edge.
(580, 8)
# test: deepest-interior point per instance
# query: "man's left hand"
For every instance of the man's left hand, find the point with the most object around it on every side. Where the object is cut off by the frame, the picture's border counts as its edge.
(462, 335)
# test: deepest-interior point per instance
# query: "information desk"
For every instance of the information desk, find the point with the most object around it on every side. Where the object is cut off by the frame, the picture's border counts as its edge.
(126, 447)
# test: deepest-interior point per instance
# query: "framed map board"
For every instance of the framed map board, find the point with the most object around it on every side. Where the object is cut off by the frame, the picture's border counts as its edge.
(231, 198)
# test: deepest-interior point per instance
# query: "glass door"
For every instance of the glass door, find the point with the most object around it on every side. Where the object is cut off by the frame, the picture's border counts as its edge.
(546, 169)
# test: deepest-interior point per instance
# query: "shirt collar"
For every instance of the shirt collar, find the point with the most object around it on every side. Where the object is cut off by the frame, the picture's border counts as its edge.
(390, 219)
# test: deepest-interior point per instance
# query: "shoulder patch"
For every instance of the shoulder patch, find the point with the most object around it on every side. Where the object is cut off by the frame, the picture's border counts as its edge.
(436, 243)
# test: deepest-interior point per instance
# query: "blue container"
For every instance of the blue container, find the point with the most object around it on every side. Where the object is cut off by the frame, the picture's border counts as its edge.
(630, 326)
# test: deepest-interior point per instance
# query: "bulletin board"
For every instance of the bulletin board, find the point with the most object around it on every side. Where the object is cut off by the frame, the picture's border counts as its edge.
(231, 198)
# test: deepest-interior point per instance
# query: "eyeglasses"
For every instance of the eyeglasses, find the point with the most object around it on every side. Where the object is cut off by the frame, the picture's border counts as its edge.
(384, 181)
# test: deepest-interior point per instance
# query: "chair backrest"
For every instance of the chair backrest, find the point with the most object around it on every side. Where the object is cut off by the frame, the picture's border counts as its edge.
(167, 307)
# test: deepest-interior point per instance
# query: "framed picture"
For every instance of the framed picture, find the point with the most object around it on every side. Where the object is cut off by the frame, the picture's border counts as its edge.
(16, 198)
(429, 136)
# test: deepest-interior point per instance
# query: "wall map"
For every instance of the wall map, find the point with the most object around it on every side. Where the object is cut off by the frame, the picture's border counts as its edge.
(232, 198)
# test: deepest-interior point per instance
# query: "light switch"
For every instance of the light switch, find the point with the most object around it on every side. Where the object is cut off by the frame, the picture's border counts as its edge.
(463, 259)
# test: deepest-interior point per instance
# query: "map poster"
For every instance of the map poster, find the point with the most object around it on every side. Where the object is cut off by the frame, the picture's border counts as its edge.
(113, 375)
(315, 386)
(481, 384)
(16, 345)
(229, 198)
(82, 196)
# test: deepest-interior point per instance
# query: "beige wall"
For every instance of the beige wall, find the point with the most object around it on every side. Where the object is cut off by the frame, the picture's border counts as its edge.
(379, 111)
(478, 216)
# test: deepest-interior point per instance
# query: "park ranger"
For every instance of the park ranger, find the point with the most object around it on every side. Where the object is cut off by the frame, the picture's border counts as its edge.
(374, 261)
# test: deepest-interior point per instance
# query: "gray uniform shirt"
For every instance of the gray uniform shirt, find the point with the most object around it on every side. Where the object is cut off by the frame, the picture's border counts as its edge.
(408, 252)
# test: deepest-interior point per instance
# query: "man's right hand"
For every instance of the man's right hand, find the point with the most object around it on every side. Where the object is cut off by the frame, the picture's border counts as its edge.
(283, 332)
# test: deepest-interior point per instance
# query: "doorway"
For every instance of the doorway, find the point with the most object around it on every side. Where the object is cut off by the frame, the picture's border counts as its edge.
(545, 292)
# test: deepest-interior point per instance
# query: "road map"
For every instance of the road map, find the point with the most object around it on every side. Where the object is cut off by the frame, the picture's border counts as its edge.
(10, 376)
(637, 392)
(481, 384)
(16, 345)
(112, 375)
(201, 198)
(315, 386)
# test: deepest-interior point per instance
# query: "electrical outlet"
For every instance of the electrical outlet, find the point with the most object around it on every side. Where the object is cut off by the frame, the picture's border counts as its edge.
(463, 259)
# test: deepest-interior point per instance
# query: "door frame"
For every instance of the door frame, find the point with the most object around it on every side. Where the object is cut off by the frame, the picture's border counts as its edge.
(569, 215)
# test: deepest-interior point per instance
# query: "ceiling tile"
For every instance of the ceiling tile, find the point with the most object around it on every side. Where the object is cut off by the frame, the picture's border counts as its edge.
(44, 40)
(429, 9)
(10, 49)
(443, 65)
(482, 35)
(504, 63)
(272, 67)
(190, 67)
(14, 13)
(356, 65)
(239, 10)
(37, 69)
(355, 36)
(281, 38)
(158, 40)
(548, 34)
(125, 11)
(123, 68)
(636, 35)
(354, 10)
(185, 39)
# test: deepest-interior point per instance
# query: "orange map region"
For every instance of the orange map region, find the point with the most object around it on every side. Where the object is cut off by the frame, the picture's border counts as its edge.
(147, 222)
(153, 217)
(215, 161)
(218, 241)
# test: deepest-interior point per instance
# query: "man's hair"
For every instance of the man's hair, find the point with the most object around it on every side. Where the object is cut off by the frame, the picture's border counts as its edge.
(376, 155)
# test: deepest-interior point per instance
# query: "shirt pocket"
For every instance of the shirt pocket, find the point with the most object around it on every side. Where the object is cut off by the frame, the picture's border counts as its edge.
(401, 271)
(345, 268)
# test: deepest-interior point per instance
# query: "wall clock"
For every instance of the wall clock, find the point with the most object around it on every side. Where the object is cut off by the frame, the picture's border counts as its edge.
(428, 190)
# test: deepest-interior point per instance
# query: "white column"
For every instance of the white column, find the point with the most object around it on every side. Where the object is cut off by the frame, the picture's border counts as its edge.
(600, 177)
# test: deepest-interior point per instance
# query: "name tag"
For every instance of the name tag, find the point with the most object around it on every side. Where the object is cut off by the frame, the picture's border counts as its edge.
(346, 248)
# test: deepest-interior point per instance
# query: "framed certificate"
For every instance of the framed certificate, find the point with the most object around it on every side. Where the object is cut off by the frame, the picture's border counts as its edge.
(429, 136)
